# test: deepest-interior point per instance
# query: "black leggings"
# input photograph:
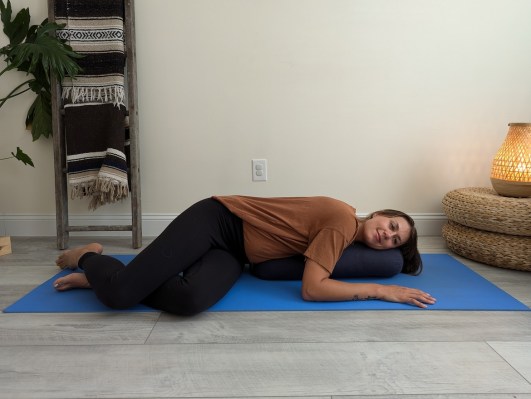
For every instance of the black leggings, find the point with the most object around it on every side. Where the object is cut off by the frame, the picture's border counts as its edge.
(185, 270)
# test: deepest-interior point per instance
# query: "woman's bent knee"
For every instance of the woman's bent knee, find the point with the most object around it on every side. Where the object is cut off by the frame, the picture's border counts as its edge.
(117, 300)
(190, 305)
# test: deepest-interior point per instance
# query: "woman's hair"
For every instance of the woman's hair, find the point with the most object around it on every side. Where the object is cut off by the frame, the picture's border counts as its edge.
(409, 250)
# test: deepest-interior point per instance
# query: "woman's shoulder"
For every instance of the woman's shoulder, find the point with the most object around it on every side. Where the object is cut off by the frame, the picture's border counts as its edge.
(334, 204)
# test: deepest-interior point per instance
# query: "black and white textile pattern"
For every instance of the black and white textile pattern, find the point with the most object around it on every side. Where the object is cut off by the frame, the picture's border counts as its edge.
(94, 101)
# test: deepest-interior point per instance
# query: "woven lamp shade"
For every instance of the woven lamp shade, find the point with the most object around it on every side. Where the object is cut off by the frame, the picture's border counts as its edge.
(511, 168)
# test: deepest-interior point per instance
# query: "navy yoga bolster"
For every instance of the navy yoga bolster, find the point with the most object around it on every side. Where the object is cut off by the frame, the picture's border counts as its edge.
(357, 260)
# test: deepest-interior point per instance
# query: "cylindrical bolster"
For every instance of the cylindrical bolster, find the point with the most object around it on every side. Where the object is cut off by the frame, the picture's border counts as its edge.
(357, 260)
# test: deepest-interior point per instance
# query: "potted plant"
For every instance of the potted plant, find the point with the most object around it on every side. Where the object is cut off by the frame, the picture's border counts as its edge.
(37, 51)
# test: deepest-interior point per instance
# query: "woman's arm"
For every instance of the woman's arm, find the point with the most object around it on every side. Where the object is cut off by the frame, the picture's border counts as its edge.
(318, 286)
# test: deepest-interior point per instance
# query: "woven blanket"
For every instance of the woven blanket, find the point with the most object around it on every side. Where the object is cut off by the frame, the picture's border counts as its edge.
(94, 100)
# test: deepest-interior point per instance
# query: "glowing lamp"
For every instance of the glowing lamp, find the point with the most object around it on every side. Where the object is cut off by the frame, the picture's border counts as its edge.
(511, 168)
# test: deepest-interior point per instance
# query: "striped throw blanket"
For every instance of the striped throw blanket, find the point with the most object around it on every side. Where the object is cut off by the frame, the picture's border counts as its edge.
(94, 101)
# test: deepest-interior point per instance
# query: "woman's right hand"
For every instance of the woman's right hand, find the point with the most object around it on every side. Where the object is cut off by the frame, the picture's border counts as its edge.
(411, 296)
(317, 286)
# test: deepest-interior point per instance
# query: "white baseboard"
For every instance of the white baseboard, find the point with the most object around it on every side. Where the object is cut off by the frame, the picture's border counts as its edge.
(428, 224)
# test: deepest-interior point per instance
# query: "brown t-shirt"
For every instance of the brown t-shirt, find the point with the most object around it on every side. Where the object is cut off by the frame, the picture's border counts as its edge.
(320, 228)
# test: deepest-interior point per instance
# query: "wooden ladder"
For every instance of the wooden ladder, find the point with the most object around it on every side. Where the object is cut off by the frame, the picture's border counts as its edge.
(59, 145)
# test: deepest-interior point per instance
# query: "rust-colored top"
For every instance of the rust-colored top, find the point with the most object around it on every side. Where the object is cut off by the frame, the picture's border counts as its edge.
(320, 228)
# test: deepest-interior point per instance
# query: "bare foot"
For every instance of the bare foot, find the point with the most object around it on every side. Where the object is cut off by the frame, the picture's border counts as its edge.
(69, 259)
(73, 280)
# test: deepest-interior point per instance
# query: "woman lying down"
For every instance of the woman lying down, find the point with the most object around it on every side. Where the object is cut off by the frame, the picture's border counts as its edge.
(195, 261)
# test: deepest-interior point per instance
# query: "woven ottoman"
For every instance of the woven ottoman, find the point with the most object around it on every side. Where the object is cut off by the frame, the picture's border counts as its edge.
(488, 228)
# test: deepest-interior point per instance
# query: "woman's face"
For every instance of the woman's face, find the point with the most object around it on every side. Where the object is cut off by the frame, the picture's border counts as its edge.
(382, 232)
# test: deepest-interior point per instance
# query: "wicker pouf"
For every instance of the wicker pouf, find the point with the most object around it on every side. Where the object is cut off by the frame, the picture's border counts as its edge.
(483, 209)
(495, 249)
(489, 228)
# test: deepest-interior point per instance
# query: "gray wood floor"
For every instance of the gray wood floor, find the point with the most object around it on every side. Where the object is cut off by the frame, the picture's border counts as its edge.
(370, 354)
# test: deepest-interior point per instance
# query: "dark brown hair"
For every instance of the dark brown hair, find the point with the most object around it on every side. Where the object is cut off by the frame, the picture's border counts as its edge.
(410, 253)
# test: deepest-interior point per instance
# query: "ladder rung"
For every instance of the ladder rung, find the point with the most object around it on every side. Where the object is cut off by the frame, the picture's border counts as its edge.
(101, 228)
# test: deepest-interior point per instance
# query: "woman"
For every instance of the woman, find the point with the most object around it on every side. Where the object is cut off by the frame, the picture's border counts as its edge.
(201, 254)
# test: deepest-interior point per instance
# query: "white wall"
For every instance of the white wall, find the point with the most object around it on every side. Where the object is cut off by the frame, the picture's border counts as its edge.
(381, 103)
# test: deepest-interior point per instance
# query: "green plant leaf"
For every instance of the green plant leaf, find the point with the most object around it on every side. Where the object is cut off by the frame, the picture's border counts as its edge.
(46, 51)
(23, 157)
(39, 116)
(5, 14)
(37, 51)
(17, 29)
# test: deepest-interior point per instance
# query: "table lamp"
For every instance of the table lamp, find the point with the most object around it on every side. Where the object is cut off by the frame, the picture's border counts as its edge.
(511, 168)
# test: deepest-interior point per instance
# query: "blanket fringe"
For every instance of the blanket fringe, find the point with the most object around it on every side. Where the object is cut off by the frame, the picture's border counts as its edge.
(102, 191)
(113, 94)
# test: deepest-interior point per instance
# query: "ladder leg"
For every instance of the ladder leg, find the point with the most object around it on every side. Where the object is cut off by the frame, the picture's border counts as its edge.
(132, 100)
(61, 189)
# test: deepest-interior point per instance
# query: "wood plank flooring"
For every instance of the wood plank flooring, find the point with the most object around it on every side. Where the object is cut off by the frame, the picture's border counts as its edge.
(370, 354)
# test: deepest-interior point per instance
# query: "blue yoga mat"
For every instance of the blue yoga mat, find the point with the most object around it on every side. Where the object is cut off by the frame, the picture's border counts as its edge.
(455, 286)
